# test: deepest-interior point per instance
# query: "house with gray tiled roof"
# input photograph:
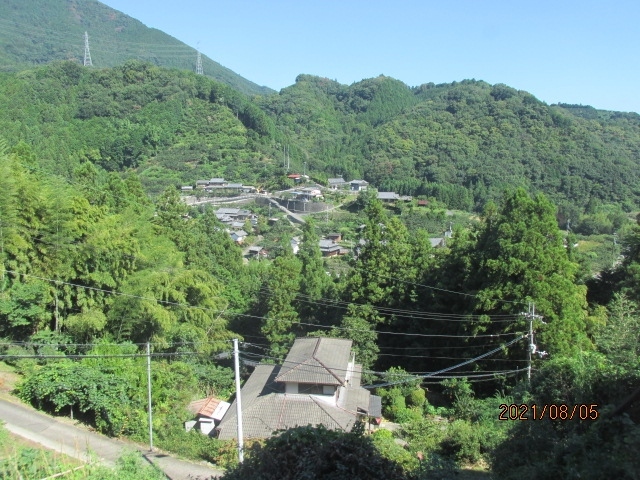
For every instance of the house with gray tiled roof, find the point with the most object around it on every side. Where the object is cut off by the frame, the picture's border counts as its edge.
(388, 196)
(318, 384)
(335, 183)
(358, 185)
(328, 248)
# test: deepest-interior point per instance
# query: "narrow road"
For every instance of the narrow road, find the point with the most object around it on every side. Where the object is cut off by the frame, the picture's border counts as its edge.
(84, 445)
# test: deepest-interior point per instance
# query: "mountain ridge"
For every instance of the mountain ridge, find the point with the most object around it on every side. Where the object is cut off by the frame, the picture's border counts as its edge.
(36, 32)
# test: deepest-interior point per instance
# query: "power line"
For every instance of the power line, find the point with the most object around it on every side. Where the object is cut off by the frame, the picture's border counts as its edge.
(221, 312)
(444, 370)
(106, 355)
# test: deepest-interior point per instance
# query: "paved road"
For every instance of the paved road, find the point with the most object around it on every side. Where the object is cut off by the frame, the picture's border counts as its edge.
(78, 442)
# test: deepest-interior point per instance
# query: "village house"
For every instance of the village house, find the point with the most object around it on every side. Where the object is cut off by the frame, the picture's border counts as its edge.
(358, 185)
(239, 236)
(388, 196)
(336, 183)
(329, 248)
(257, 251)
(235, 214)
(318, 384)
(220, 184)
(208, 412)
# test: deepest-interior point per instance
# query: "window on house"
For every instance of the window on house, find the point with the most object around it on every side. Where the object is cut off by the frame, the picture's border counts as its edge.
(311, 389)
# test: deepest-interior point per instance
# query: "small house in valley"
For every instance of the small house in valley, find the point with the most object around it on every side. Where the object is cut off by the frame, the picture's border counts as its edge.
(336, 183)
(208, 412)
(358, 185)
(318, 384)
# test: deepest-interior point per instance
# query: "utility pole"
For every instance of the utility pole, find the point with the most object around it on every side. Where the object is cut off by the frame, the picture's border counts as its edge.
(87, 53)
(288, 159)
(531, 316)
(149, 397)
(236, 355)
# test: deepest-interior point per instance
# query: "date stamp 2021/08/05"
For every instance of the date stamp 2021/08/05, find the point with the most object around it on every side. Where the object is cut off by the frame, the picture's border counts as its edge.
(551, 411)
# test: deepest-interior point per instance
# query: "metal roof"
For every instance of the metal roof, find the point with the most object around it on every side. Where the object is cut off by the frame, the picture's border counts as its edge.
(326, 243)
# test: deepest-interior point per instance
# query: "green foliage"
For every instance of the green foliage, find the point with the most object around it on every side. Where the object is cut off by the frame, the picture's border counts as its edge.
(280, 315)
(520, 255)
(69, 385)
(619, 338)
(593, 448)
(389, 449)
(463, 442)
(315, 452)
(358, 324)
(314, 282)
(463, 142)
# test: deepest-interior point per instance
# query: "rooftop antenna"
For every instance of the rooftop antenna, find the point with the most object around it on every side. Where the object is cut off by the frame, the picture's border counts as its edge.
(87, 53)
(199, 70)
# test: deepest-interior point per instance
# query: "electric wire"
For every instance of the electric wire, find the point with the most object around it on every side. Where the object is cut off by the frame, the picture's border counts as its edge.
(222, 312)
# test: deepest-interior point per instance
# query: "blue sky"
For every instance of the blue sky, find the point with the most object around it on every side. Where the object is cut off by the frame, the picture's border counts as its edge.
(567, 51)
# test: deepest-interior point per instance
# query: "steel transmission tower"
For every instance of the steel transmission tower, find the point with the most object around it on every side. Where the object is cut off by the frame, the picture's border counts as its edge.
(87, 53)
(199, 65)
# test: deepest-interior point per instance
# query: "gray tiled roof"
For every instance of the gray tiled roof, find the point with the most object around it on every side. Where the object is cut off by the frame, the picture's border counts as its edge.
(326, 243)
(388, 196)
(321, 361)
(265, 409)
(436, 242)
(354, 399)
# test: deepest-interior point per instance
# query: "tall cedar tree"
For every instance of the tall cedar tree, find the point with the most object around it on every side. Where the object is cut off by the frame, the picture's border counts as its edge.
(279, 313)
(314, 281)
(520, 257)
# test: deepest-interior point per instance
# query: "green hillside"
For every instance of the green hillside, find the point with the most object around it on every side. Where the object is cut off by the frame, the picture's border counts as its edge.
(463, 142)
(35, 32)
(173, 126)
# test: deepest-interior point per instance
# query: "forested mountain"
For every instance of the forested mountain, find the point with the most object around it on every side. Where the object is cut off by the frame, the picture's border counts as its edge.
(174, 126)
(463, 142)
(35, 32)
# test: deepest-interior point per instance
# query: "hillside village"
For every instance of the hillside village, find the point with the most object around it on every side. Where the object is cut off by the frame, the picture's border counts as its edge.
(449, 289)
(241, 223)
